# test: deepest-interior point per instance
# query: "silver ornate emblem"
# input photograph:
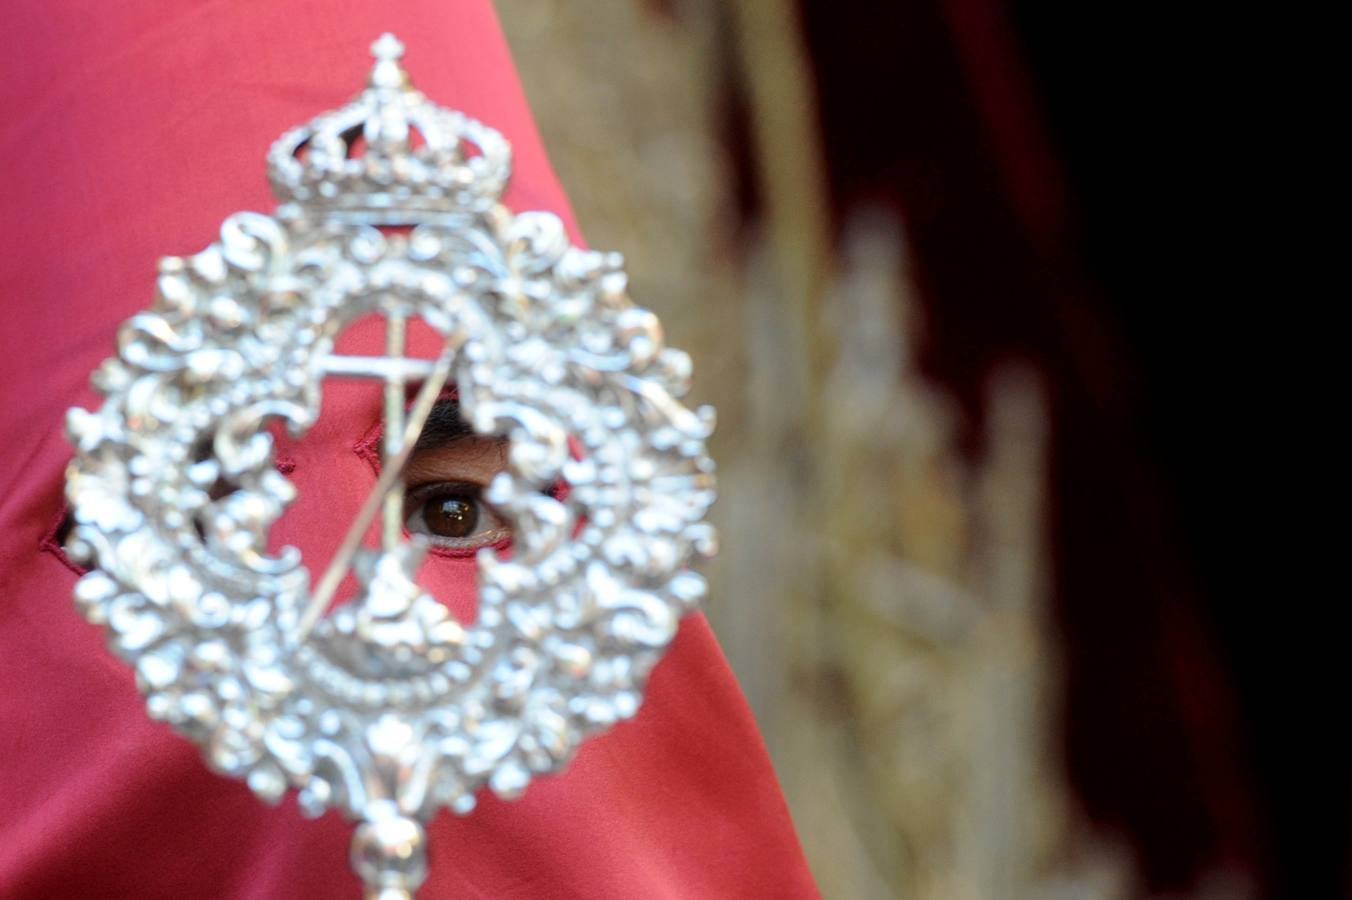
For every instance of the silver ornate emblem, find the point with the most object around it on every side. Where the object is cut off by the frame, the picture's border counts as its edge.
(389, 708)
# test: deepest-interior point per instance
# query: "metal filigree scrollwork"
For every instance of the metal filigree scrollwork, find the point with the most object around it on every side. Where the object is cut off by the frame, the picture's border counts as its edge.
(390, 709)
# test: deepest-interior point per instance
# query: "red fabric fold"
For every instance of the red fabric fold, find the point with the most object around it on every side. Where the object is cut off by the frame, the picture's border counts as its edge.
(131, 130)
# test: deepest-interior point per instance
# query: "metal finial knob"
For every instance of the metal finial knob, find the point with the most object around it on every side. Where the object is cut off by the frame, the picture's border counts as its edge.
(387, 47)
(387, 72)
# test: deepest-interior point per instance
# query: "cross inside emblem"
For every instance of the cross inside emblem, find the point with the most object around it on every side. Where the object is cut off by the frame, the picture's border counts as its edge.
(396, 371)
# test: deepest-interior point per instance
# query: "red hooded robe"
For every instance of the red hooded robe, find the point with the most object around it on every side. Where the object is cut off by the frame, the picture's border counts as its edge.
(130, 131)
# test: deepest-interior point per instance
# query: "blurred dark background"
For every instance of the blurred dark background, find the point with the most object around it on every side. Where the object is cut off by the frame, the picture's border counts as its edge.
(1073, 187)
(1069, 174)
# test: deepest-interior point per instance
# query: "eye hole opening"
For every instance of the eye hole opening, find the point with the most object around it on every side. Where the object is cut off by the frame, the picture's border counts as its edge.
(454, 516)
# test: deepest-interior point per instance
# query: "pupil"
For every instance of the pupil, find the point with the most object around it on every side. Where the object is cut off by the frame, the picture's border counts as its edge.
(451, 517)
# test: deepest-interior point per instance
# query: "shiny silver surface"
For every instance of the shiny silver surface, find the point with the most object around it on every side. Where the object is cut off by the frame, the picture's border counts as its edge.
(389, 709)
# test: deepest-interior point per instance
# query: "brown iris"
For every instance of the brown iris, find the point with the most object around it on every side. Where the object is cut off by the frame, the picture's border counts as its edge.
(453, 517)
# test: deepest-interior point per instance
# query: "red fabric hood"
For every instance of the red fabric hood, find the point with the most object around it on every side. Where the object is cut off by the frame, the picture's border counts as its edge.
(131, 131)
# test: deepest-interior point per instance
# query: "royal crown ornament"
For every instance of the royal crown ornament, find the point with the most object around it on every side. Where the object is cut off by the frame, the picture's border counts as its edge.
(389, 709)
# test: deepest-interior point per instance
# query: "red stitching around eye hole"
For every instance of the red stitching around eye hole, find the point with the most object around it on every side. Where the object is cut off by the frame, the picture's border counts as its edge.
(54, 540)
(368, 447)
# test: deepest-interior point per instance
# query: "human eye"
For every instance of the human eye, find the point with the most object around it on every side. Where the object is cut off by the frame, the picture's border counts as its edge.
(453, 515)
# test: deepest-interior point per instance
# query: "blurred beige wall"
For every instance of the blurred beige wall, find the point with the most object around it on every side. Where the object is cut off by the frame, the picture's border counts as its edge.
(881, 598)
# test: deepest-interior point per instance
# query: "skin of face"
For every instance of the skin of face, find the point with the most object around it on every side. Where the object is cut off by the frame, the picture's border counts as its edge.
(444, 481)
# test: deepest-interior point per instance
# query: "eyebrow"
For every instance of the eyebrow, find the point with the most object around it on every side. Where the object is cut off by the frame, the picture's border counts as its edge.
(444, 426)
